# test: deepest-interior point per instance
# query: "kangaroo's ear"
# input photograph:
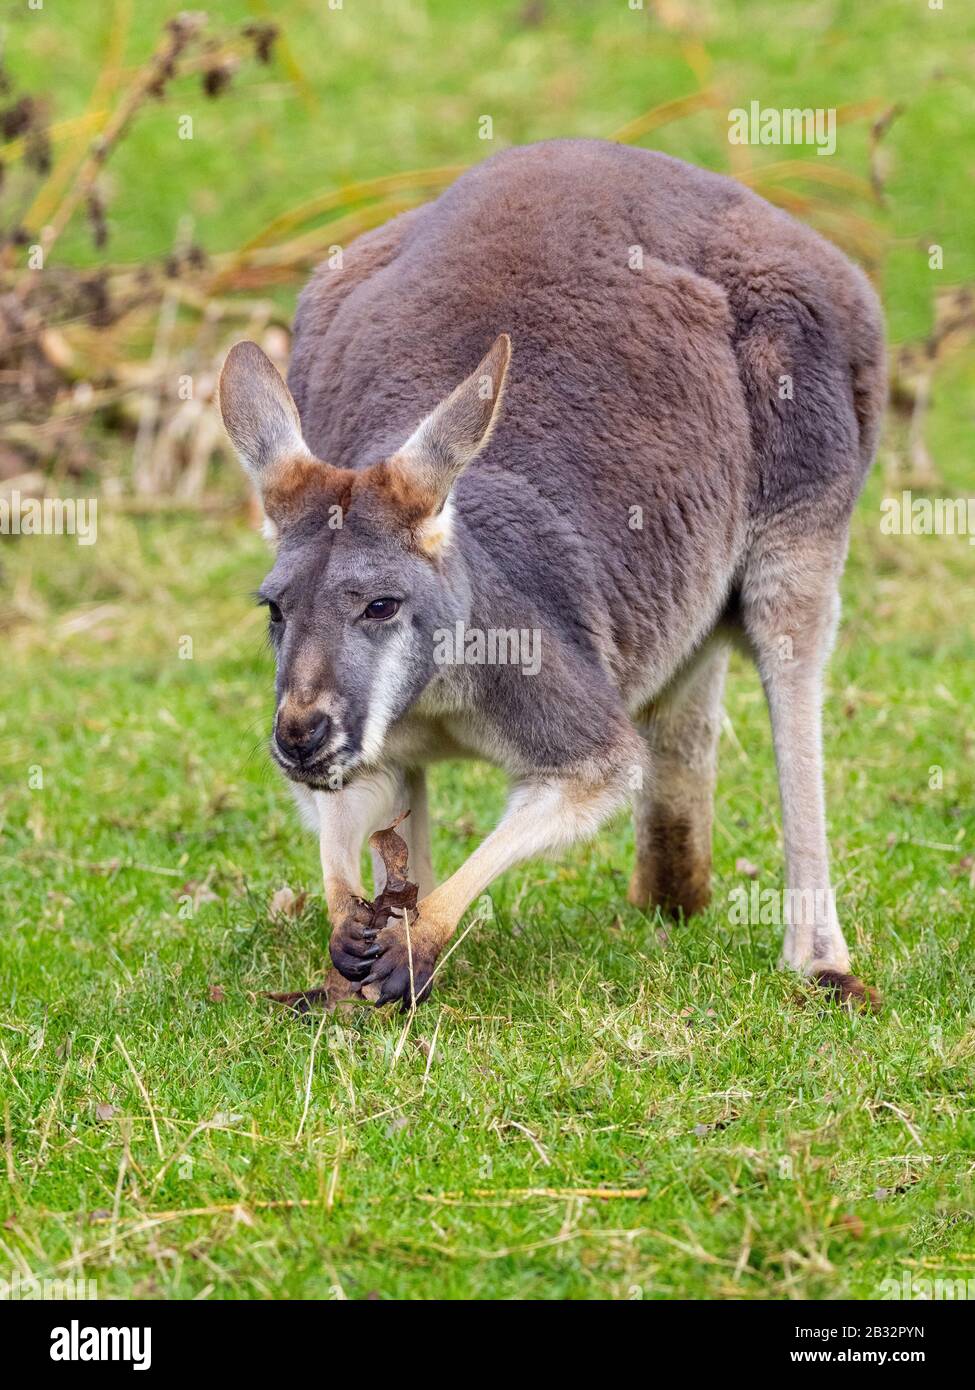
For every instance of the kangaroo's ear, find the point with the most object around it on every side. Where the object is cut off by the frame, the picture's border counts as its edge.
(456, 430)
(259, 412)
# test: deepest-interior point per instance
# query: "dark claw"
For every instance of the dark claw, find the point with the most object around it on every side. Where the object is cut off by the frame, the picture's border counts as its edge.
(421, 998)
(382, 967)
(356, 938)
(352, 967)
(355, 947)
(354, 943)
(397, 988)
(379, 957)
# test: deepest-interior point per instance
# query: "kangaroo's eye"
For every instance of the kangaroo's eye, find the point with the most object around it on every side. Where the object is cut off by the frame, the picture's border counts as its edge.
(382, 609)
(274, 612)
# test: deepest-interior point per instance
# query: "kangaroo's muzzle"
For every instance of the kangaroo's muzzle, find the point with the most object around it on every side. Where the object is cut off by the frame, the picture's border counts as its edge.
(300, 736)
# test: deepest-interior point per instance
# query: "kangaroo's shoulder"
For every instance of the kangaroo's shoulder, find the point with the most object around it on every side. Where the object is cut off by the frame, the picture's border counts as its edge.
(333, 282)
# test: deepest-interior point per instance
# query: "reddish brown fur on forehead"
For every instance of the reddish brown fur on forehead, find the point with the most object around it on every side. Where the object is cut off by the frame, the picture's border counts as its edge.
(299, 485)
(406, 498)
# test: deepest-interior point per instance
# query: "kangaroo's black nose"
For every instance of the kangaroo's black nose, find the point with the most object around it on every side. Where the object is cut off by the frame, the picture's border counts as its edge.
(299, 736)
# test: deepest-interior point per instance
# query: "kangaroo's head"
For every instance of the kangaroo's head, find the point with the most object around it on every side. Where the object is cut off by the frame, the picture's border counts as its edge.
(365, 572)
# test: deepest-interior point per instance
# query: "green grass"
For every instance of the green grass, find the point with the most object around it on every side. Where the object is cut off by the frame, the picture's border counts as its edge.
(785, 1148)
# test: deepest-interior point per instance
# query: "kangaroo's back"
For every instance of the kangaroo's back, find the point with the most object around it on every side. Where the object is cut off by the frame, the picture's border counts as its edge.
(606, 264)
(622, 453)
(686, 359)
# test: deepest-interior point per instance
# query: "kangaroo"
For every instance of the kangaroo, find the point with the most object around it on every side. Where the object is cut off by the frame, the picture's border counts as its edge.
(600, 396)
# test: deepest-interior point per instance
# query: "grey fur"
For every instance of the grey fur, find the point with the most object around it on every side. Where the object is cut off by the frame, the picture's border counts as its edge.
(659, 388)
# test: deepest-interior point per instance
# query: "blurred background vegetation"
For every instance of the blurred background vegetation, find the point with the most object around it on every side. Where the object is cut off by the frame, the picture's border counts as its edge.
(183, 172)
(137, 881)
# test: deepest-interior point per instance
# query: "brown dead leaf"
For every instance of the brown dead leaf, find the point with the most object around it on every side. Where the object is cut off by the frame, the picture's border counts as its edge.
(287, 903)
(198, 891)
(217, 995)
(851, 1224)
(104, 1111)
(399, 895)
(965, 868)
(220, 800)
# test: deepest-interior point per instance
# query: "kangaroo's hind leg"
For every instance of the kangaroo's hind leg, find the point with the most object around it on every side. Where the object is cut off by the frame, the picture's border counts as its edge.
(673, 813)
(790, 606)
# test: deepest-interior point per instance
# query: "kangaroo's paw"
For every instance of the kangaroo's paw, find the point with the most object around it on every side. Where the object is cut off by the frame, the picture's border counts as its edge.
(402, 962)
(352, 937)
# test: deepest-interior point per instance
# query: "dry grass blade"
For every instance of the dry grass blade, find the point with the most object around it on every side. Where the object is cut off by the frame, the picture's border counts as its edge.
(811, 172)
(60, 130)
(52, 190)
(878, 159)
(140, 1084)
(178, 34)
(281, 263)
(560, 1194)
(311, 1074)
(52, 1109)
(663, 114)
(858, 110)
(348, 195)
